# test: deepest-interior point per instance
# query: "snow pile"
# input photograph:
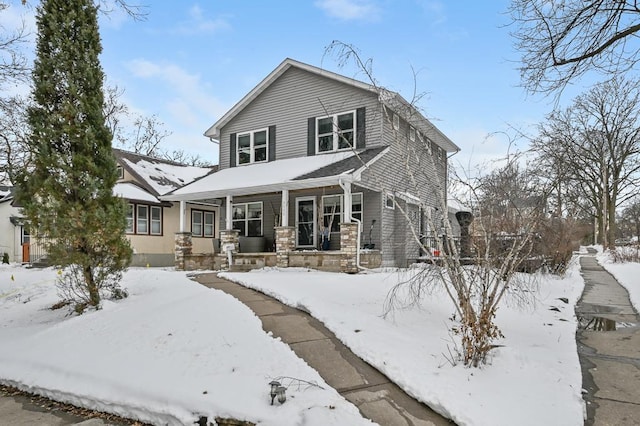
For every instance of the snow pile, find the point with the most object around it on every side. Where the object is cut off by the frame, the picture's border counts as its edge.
(164, 177)
(169, 353)
(533, 379)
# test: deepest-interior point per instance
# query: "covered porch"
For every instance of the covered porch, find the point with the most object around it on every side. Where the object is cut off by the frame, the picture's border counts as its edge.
(287, 213)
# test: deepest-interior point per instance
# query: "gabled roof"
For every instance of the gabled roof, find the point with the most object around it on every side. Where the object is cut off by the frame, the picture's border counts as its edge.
(214, 131)
(291, 173)
(158, 176)
(392, 99)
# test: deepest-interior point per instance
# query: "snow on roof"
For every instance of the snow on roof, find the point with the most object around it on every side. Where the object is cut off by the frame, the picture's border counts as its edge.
(164, 177)
(245, 179)
(130, 191)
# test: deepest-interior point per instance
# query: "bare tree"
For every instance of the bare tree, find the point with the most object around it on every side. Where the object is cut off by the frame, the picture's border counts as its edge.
(475, 290)
(562, 40)
(596, 144)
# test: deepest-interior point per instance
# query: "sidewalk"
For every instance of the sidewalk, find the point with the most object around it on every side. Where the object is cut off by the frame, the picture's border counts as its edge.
(377, 398)
(608, 347)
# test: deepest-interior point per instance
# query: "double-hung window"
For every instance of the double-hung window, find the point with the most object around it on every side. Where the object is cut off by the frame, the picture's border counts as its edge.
(202, 223)
(336, 132)
(247, 218)
(332, 210)
(253, 146)
(143, 219)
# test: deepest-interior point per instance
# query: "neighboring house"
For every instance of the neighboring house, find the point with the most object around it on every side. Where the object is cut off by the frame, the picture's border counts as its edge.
(13, 231)
(151, 222)
(310, 150)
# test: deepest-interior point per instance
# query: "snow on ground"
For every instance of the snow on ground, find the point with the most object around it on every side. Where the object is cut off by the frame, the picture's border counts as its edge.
(175, 350)
(169, 353)
(626, 274)
(534, 379)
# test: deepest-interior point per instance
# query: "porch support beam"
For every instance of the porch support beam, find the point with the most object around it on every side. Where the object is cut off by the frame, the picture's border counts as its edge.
(183, 214)
(229, 213)
(346, 208)
(284, 220)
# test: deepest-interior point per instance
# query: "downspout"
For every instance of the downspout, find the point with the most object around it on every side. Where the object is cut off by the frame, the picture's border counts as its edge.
(345, 190)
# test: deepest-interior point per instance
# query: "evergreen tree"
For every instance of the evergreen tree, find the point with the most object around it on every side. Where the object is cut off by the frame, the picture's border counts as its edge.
(67, 195)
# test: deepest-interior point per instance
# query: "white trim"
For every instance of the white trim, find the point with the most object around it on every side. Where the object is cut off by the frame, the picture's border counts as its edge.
(252, 147)
(314, 237)
(389, 196)
(247, 219)
(336, 132)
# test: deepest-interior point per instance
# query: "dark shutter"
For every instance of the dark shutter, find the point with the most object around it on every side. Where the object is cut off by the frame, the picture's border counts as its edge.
(361, 125)
(272, 143)
(232, 150)
(311, 136)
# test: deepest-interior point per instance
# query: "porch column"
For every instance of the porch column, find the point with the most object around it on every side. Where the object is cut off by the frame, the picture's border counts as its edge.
(183, 247)
(348, 247)
(285, 242)
(229, 213)
(346, 208)
(183, 213)
(229, 244)
(284, 220)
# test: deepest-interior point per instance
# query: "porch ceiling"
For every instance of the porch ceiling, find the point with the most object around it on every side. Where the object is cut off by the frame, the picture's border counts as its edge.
(274, 176)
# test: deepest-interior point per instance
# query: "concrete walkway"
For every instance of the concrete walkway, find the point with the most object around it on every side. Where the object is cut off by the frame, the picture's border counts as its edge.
(609, 348)
(377, 398)
(20, 411)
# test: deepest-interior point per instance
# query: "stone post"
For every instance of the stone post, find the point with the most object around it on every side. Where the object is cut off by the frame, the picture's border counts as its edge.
(285, 242)
(348, 247)
(183, 247)
(228, 237)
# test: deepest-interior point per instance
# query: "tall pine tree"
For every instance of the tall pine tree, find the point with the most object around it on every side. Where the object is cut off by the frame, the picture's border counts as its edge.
(68, 193)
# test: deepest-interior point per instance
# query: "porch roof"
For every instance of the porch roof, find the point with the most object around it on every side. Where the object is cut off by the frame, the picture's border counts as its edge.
(291, 173)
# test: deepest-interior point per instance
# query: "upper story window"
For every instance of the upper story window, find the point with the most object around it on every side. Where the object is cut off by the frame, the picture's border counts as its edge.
(120, 172)
(336, 132)
(252, 146)
(412, 134)
(396, 122)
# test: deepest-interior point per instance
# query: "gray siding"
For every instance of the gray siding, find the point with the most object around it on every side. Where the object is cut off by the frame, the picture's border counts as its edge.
(290, 101)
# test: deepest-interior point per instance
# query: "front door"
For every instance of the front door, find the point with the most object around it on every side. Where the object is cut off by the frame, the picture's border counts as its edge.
(306, 221)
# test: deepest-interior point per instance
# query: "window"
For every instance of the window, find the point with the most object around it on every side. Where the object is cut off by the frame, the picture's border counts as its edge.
(247, 218)
(202, 223)
(252, 147)
(412, 134)
(26, 235)
(332, 210)
(389, 201)
(130, 219)
(120, 171)
(426, 142)
(143, 219)
(396, 122)
(440, 153)
(336, 132)
(156, 220)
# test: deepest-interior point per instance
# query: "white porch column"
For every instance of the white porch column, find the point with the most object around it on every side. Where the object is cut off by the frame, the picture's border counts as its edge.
(229, 213)
(346, 187)
(183, 214)
(284, 220)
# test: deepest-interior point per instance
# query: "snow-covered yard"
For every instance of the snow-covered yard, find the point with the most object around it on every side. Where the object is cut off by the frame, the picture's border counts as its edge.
(175, 350)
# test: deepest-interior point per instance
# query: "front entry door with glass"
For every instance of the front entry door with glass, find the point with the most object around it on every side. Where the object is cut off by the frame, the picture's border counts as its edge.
(306, 222)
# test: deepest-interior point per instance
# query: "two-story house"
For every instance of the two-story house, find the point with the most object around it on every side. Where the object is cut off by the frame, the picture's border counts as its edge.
(309, 155)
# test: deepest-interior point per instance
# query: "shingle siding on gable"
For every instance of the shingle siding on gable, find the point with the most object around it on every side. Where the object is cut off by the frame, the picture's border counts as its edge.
(290, 101)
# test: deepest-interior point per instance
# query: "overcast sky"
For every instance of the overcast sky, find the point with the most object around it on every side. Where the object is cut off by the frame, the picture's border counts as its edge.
(189, 62)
